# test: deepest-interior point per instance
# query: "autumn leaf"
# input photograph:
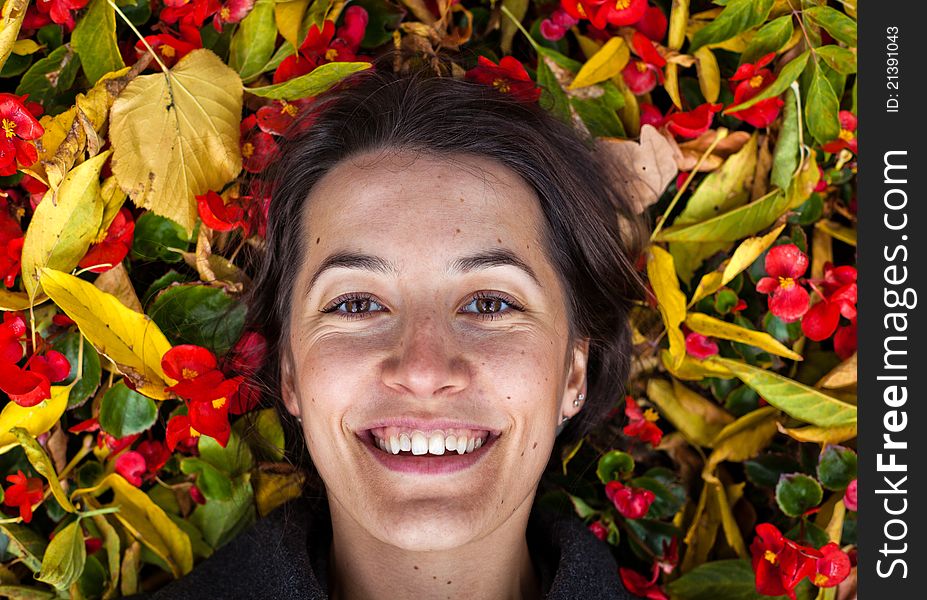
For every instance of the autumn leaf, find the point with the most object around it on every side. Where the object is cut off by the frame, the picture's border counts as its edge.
(14, 11)
(175, 135)
(642, 169)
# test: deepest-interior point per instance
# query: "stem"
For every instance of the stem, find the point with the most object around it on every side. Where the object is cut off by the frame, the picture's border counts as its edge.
(139, 34)
(801, 130)
(720, 135)
(86, 447)
(99, 511)
(521, 28)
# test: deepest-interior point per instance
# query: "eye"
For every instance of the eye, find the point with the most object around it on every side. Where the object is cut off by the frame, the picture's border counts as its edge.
(492, 305)
(356, 306)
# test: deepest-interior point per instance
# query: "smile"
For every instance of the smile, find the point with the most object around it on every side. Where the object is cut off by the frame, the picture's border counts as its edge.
(417, 451)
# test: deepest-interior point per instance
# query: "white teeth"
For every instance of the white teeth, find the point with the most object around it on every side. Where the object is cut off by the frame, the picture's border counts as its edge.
(405, 442)
(436, 443)
(461, 444)
(394, 444)
(419, 443)
(470, 445)
(479, 442)
(450, 443)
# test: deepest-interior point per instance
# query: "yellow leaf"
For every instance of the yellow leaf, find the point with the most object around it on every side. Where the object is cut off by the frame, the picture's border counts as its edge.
(43, 465)
(728, 523)
(289, 18)
(25, 47)
(804, 181)
(671, 84)
(703, 530)
(699, 419)
(35, 419)
(671, 302)
(128, 338)
(148, 523)
(175, 135)
(64, 223)
(587, 45)
(712, 327)
(821, 435)
(14, 11)
(693, 369)
(709, 75)
(679, 18)
(747, 252)
(113, 199)
(18, 300)
(837, 231)
(742, 439)
(834, 527)
(843, 375)
(274, 489)
(604, 64)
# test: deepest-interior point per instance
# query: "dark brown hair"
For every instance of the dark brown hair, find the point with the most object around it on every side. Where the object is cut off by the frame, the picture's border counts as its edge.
(378, 110)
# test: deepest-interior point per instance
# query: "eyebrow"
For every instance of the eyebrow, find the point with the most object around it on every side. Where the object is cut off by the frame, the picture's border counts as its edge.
(494, 257)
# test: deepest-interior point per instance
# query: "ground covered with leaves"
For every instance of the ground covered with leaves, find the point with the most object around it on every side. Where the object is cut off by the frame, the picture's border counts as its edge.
(135, 134)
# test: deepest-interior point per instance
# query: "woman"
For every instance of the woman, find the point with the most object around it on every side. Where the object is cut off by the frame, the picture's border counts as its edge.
(446, 289)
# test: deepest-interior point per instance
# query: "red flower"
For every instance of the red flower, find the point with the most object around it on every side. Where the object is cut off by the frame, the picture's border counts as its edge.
(641, 76)
(847, 137)
(555, 27)
(849, 497)
(632, 503)
(509, 77)
(232, 11)
(325, 45)
(845, 340)
(699, 346)
(60, 11)
(155, 453)
(833, 567)
(785, 264)
(170, 48)
(180, 433)
(11, 246)
(258, 149)
(653, 24)
(277, 117)
(218, 215)
(19, 128)
(641, 423)
(599, 530)
(196, 495)
(610, 12)
(693, 123)
(24, 492)
(753, 80)
(204, 418)
(132, 466)
(114, 247)
(650, 115)
(839, 297)
(640, 586)
(779, 563)
(245, 359)
(190, 13)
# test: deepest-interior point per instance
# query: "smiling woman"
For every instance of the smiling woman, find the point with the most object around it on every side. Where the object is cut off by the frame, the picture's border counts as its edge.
(445, 292)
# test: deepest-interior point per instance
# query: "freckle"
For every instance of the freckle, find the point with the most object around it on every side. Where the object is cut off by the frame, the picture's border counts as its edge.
(522, 452)
(499, 240)
(415, 567)
(534, 446)
(434, 576)
(503, 502)
(317, 240)
(449, 582)
(508, 397)
(458, 230)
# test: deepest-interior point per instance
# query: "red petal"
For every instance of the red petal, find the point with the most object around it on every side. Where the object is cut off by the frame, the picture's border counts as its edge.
(786, 260)
(639, 81)
(653, 24)
(131, 465)
(789, 304)
(211, 421)
(833, 567)
(699, 346)
(178, 431)
(845, 341)
(693, 123)
(847, 120)
(821, 320)
(25, 388)
(187, 361)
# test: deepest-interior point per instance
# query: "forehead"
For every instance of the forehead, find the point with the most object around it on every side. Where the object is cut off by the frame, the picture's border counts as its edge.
(423, 201)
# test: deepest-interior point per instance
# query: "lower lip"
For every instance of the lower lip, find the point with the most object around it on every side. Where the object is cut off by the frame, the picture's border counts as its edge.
(426, 464)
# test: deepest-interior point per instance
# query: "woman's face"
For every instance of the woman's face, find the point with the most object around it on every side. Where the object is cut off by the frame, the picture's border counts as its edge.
(425, 304)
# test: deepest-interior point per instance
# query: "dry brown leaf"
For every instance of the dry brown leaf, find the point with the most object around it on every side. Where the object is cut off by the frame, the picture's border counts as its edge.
(642, 169)
(764, 162)
(116, 282)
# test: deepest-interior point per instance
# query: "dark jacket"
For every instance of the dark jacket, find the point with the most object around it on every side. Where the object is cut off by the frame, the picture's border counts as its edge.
(285, 555)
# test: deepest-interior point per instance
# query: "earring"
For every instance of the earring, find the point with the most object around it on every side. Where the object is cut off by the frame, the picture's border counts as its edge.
(579, 399)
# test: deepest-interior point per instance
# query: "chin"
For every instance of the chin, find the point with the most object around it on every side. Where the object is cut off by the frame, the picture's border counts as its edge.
(426, 526)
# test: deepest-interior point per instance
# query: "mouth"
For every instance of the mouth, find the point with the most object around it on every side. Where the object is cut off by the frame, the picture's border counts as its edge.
(417, 453)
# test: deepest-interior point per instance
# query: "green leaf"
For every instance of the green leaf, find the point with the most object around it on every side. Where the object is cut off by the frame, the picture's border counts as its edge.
(214, 484)
(599, 113)
(233, 460)
(771, 37)
(613, 465)
(837, 467)
(766, 470)
(784, 79)
(785, 156)
(841, 27)
(837, 58)
(64, 558)
(39, 459)
(264, 433)
(222, 520)
(553, 98)
(738, 16)
(199, 314)
(723, 189)
(582, 509)
(667, 500)
(253, 42)
(727, 579)
(94, 40)
(155, 235)
(697, 418)
(383, 19)
(797, 493)
(821, 108)
(48, 80)
(124, 411)
(799, 401)
(311, 84)
(25, 544)
(92, 579)
(733, 225)
(69, 345)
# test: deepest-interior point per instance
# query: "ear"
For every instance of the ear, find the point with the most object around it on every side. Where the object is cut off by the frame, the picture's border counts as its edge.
(287, 385)
(576, 378)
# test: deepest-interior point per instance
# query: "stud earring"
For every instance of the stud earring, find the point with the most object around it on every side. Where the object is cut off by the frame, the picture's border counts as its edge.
(579, 399)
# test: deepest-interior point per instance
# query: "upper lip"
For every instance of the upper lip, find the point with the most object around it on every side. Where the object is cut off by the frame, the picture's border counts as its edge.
(421, 424)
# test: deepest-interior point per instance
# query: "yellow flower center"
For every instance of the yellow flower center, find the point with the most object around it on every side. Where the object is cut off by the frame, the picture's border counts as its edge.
(581, 10)
(331, 54)
(502, 85)
(194, 432)
(168, 51)
(188, 373)
(247, 149)
(770, 556)
(845, 134)
(218, 403)
(288, 109)
(622, 4)
(786, 283)
(651, 415)
(8, 128)
(225, 13)
(820, 579)
(641, 66)
(756, 81)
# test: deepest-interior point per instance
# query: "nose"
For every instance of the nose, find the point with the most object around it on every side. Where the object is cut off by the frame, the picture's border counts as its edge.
(427, 363)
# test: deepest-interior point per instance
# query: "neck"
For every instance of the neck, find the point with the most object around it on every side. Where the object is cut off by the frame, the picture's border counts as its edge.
(496, 566)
